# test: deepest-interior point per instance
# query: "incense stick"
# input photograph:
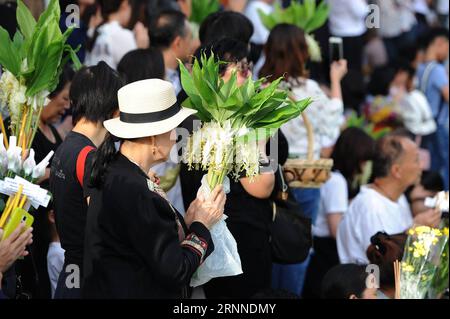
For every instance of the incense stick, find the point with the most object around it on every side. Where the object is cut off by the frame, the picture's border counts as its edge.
(397, 271)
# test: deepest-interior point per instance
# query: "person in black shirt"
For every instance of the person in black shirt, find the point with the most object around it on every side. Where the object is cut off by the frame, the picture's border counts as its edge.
(93, 97)
(137, 244)
(248, 207)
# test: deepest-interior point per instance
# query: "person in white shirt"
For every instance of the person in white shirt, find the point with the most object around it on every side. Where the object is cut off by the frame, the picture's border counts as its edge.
(286, 54)
(348, 20)
(382, 206)
(112, 40)
(351, 155)
(397, 20)
(415, 109)
(260, 32)
(55, 254)
(172, 35)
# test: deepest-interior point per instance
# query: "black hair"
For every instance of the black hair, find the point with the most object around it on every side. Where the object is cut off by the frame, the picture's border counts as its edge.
(343, 281)
(432, 35)
(404, 65)
(93, 93)
(383, 251)
(381, 80)
(104, 155)
(388, 149)
(169, 25)
(353, 147)
(225, 24)
(155, 7)
(432, 181)
(107, 7)
(66, 77)
(142, 64)
(225, 50)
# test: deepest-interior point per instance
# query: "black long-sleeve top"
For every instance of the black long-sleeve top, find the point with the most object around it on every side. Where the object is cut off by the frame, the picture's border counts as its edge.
(134, 247)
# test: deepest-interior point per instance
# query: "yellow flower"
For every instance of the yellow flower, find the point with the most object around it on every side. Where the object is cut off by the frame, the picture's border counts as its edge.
(445, 231)
(411, 232)
(423, 229)
(424, 277)
(410, 249)
(407, 268)
(436, 232)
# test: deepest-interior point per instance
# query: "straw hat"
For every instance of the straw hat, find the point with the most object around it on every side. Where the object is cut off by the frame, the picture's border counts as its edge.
(147, 108)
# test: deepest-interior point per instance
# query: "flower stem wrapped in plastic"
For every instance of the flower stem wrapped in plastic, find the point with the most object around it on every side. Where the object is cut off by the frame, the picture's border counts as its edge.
(423, 251)
(234, 119)
(440, 281)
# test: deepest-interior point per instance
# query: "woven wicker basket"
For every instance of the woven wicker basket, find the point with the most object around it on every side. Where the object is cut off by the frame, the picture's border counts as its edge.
(308, 173)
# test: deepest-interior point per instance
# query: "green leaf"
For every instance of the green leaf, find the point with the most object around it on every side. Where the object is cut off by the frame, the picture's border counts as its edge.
(46, 70)
(201, 9)
(306, 16)
(18, 42)
(25, 20)
(9, 55)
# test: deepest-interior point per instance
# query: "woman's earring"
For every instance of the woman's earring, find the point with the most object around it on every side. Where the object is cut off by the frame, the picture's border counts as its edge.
(154, 151)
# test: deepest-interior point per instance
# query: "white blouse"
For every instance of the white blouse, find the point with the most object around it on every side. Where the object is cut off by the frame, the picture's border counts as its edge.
(112, 43)
(326, 116)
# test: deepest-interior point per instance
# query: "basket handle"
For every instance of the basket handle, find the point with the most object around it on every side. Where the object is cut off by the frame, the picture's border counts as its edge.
(309, 133)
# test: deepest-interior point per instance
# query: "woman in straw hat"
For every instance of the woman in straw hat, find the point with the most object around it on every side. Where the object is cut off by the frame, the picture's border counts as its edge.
(137, 244)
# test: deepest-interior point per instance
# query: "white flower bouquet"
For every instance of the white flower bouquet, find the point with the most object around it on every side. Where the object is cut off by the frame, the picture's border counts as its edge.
(32, 62)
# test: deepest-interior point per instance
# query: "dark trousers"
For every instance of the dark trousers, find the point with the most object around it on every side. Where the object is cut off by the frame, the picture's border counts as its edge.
(324, 258)
(353, 52)
(65, 291)
(254, 251)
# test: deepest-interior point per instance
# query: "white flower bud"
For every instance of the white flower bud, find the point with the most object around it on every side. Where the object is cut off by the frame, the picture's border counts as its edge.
(29, 164)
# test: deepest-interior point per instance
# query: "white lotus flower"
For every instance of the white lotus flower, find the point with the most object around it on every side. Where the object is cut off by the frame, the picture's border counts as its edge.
(29, 164)
(39, 169)
(14, 155)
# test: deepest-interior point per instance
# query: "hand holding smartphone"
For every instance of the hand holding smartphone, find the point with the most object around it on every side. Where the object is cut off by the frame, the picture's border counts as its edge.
(336, 49)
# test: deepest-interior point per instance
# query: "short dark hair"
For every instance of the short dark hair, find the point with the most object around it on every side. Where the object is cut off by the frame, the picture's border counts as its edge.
(225, 50)
(343, 281)
(225, 24)
(108, 7)
(93, 93)
(380, 80)
(66, 77)
(432, 35)
(388, 150)
(432, 181)
(142, 64)
(169, 25)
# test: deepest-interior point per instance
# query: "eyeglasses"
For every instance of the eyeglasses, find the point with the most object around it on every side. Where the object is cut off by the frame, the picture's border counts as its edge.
(244, 67)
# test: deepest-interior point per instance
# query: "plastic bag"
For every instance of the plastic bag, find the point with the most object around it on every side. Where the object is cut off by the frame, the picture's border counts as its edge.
(224, 261)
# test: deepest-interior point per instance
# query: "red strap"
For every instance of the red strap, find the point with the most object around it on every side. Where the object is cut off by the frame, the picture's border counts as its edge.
(81, 163)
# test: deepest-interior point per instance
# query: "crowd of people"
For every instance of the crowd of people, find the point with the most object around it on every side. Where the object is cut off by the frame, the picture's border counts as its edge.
(125, 221)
